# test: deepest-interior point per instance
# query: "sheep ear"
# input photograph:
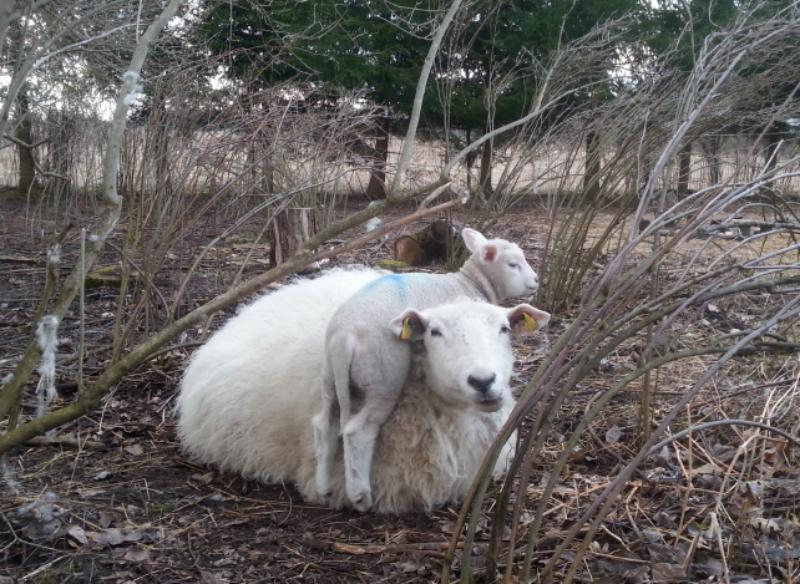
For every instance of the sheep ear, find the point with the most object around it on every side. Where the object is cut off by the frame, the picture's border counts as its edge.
(526, 319)
(409, 326)
(472, 239)
(489, 253)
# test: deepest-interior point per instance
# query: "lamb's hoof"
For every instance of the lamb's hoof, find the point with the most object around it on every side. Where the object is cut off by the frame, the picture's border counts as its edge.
(323, 485)
(362, 501)
(325, 498)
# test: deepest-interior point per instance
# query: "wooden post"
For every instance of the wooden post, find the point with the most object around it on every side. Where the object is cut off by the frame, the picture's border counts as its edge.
(684, 169)
(290, 230)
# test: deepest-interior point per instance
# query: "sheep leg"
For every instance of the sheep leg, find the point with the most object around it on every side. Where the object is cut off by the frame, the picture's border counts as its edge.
(360, 436)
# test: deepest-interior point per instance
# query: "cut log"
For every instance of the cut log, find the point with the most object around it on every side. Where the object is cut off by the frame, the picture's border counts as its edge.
(290, 230)
(434, 243)
(409, 251)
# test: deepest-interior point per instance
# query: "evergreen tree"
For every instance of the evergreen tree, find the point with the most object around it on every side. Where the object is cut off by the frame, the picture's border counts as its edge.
(353, 44)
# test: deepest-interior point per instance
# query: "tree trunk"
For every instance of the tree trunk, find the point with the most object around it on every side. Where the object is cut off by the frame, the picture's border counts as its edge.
(684, 168)
(163, 176)
(647, 166)
(24, 133)
(469, 160)
(772, 137)
(158, 143)
(711, 146)
(268, 170)
(485, 180)
(290, 230)
(591, 174)
(377, 179)
(61, 156)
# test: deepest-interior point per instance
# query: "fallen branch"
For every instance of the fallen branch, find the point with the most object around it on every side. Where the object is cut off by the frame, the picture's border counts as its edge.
(68, 440)
(374, 549)
(716, 423)
(20, 259)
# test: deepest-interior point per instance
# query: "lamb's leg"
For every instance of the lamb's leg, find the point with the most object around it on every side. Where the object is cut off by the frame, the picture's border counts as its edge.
(360, 435)
(326, 438)
(381, 378)
(326, 432)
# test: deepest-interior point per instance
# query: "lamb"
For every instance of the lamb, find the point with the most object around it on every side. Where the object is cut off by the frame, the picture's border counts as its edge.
(363, 352)
(248, 395)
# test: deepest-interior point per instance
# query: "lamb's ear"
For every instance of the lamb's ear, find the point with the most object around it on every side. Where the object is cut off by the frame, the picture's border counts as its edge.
(477, 244)
(473, 239)
(410, 325)
(525, 319)
(489, 253)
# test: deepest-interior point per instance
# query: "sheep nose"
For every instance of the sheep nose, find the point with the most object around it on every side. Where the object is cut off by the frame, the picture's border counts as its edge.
(482, 384)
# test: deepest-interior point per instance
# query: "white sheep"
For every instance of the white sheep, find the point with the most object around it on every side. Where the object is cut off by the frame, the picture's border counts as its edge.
(248, 395)
(362, 351)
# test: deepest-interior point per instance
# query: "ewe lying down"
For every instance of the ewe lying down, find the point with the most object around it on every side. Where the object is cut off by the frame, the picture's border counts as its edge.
(365, 352)
(248, 395)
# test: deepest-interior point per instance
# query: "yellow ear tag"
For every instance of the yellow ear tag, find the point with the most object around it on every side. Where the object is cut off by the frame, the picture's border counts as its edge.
(530, 323)
(407, 333)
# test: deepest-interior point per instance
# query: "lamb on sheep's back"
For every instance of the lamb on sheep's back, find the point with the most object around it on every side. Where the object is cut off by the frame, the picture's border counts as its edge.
(248, 395)
(362, 351)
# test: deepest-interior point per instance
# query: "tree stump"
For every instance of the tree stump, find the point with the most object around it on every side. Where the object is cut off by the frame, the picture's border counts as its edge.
(291, 228)
(434, 243)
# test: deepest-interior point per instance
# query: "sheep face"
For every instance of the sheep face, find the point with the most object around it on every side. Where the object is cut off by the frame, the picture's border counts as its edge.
(503, 263)
(468, 358)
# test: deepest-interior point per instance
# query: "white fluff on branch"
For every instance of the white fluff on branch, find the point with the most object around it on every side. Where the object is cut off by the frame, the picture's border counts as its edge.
(8, 475)
(46, 336)
(54, 254)
(131, 78)
(373, 224)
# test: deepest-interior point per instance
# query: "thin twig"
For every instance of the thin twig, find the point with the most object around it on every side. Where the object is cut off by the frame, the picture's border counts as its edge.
(716, 423)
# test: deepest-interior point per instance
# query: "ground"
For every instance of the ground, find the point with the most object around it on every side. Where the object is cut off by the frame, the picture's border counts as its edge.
(112, 499)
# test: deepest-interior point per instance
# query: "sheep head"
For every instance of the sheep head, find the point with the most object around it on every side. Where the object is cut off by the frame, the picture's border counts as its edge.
(467, 359)
(503, 263)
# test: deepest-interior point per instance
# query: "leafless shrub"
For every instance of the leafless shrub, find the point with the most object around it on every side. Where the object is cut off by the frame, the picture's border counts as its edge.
(340, 123)
(638, 301)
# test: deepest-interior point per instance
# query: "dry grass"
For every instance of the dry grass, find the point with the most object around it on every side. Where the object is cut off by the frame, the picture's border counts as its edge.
(549, 169)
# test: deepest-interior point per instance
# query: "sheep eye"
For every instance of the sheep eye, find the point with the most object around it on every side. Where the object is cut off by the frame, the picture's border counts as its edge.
(505, 330)
(436, 333)
(513, 265)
